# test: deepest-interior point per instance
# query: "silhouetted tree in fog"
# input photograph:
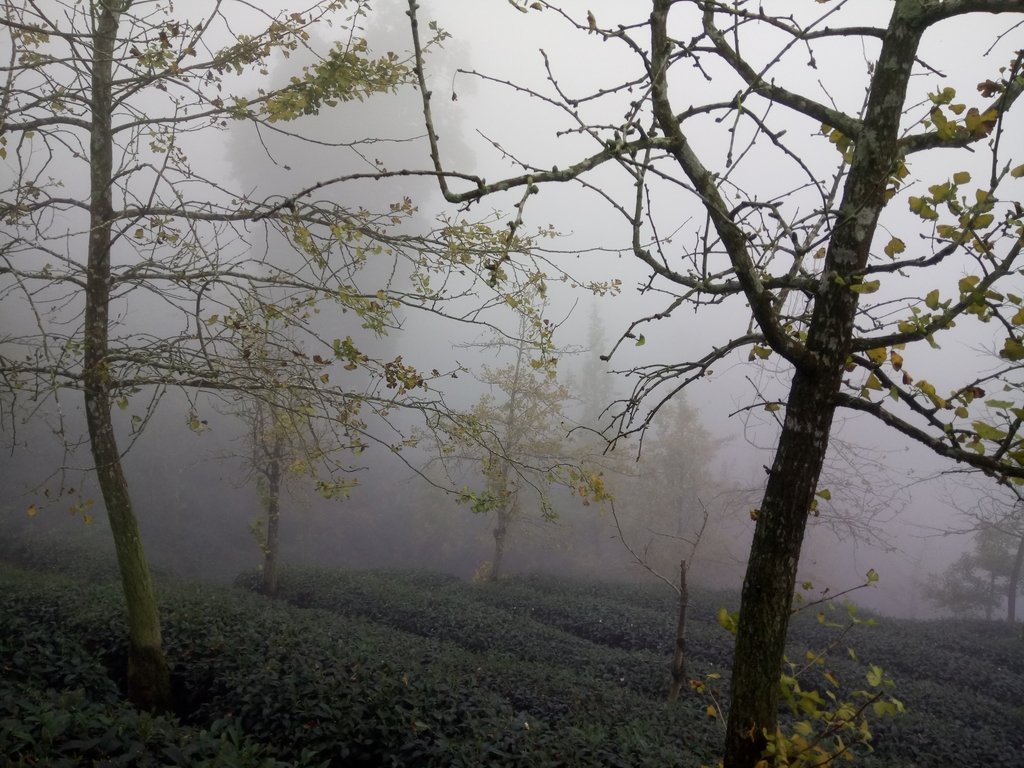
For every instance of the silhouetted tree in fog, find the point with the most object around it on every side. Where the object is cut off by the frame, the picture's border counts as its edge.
(515, 441)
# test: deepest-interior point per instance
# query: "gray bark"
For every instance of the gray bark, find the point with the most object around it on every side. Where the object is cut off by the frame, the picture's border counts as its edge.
(268, 584)
(679, 652)
(148, 677)
(775, 552)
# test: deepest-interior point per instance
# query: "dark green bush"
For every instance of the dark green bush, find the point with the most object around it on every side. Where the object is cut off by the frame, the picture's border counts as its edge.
(85, 552)
(407, 669)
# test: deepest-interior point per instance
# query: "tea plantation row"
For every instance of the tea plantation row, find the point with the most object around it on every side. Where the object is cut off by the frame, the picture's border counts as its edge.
(414, 669)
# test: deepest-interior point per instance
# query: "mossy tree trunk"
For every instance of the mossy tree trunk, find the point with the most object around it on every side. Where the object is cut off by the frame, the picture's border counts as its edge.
(148, 677)
(775, 552)
(771, 572)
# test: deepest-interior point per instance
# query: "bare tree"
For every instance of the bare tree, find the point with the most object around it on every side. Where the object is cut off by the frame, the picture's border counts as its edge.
(807, 252)
(659, 515)
(681, 588)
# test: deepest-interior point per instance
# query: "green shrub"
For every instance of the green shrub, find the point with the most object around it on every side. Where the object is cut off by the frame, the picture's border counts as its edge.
(408, 669)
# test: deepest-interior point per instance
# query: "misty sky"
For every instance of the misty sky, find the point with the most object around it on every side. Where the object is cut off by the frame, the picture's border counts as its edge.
(483, 123)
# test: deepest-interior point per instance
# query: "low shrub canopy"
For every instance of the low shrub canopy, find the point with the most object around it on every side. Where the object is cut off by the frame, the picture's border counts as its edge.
(415, 669)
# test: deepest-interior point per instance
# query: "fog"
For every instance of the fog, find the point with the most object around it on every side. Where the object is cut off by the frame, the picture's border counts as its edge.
(893, 508)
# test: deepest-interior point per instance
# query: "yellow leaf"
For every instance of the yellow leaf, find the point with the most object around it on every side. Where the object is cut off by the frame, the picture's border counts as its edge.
(1012, 350)
(961, 177)
(771, 407)
(895, 246)
(919, 205)
(873, 383)
(874, 676)
(32, 510)
(872, 576)
(896, 359)
(932, 299)
(980, 124)
(988, 432)
(877, 355)
(711, 711)
(928, 390)
(1017, 172)
(727, 620)
(967, 283)
(869, 287)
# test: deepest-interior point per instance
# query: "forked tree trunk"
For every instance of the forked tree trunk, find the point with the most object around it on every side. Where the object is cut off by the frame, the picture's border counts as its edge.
(679, 655)
(148, 678)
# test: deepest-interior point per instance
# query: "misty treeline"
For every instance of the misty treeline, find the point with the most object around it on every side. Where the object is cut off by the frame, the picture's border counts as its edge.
(986, 579)
(222, 239)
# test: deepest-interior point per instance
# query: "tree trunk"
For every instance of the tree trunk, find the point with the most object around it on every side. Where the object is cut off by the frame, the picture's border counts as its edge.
(775, 550)
(500, 533)
(268, 584)
(1014, 583)
(148, 678)
(771, 571)
(679, 656)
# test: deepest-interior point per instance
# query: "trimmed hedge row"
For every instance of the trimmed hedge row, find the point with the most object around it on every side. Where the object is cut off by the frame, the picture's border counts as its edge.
(394, 668)
(452, 616)
(261, 683)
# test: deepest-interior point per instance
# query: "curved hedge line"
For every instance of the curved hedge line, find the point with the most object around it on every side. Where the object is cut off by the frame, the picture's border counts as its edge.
(394, 668)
